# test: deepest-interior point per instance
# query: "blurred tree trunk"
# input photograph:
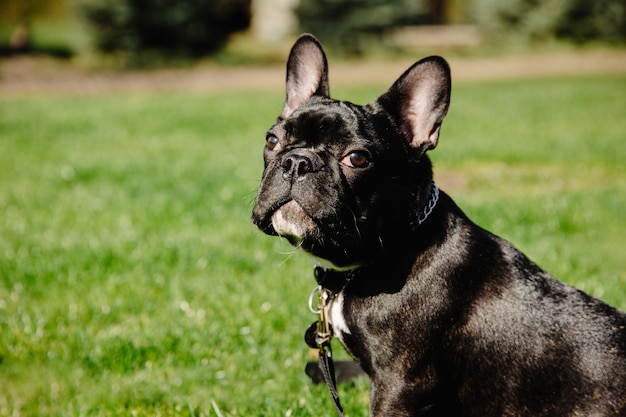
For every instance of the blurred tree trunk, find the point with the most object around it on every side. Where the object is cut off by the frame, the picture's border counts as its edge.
(20, 38)
(443, 12)
(20, 14)
(437, 11)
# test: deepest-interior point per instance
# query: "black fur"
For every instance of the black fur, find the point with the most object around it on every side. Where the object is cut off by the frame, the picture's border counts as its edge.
(446, 318)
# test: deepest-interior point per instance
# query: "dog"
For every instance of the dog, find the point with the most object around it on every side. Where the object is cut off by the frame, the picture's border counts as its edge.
(446, 318)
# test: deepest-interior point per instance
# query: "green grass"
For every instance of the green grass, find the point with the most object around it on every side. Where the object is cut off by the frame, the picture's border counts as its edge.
(133, 283)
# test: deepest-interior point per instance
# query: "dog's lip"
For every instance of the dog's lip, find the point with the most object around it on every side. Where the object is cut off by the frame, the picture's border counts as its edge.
(267, 221)
(277, 206)
(263, 219)
(291, 206)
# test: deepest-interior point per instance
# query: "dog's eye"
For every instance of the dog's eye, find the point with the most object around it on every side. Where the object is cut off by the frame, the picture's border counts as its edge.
(355, 160)
(272, 143)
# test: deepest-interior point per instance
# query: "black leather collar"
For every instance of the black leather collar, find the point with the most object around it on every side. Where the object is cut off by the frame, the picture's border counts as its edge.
(331, 279)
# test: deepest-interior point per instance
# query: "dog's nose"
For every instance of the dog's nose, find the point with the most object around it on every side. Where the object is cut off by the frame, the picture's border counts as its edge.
(296, 166)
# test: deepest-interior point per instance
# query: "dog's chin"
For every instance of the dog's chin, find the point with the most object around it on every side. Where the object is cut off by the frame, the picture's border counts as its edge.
(294, 224)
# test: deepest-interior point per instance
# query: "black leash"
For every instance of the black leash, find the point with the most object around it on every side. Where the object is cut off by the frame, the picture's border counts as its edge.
(327, 367)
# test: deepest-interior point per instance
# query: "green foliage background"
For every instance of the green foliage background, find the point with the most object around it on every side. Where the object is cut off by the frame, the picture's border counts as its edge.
(535, 21)
(353, 26)
(165, 29)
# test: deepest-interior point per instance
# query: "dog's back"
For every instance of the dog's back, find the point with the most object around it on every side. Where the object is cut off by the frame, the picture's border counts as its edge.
(529, 344)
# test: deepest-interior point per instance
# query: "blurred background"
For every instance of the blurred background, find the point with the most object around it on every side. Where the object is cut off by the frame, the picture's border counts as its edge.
(148, 33)
(132, 282)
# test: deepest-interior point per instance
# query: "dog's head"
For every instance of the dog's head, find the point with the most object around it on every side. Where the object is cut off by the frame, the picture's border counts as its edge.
(341, 180)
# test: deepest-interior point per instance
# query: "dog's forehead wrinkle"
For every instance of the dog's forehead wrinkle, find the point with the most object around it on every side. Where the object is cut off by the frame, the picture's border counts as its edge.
(329, 123)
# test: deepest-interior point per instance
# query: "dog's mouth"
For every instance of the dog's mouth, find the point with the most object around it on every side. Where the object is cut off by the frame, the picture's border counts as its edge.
(292, 222)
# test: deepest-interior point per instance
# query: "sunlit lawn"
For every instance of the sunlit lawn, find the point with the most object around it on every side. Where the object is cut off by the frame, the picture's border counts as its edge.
(133, 283)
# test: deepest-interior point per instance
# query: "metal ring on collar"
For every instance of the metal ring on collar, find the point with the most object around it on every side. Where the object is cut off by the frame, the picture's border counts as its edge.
(315, 292)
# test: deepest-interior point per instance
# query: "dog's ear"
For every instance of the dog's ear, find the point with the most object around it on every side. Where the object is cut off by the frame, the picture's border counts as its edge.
(419, 101)
(307, 74)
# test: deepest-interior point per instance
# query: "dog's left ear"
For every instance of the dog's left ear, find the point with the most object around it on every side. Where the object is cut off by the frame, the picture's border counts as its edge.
(419, 101)
(307, 74)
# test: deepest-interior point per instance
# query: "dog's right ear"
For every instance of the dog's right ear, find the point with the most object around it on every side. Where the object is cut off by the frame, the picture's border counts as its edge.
(307, 74)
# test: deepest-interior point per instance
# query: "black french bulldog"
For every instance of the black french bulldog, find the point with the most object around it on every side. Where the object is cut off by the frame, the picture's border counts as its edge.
(446, 318)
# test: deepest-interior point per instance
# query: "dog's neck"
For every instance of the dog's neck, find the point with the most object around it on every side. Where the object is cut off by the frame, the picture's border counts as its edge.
(334, 280)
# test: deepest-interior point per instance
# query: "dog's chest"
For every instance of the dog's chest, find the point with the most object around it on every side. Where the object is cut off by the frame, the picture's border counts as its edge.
(336, 316)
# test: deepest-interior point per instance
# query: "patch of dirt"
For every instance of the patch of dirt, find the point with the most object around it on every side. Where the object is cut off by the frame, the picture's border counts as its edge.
(27, 74)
